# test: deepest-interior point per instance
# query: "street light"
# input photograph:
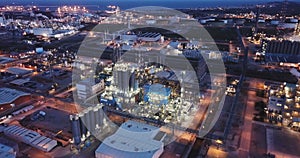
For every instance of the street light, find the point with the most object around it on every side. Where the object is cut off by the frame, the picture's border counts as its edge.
(219, 142)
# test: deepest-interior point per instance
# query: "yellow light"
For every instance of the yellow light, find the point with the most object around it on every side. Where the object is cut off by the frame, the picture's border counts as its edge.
(219, 141)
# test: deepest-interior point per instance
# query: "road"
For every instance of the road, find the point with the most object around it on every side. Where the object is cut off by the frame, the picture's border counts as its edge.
(251, 99)
(245, 141)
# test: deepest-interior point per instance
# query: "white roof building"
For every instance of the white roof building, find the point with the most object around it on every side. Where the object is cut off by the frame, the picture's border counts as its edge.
(132, 140)
(42, 31)
(30, 137)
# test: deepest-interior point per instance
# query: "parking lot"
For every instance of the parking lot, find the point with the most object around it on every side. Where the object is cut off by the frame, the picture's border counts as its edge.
(53, 122)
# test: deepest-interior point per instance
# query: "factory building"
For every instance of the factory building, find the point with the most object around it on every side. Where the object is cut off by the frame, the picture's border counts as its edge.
(281, 47)
(150, 37)
(295, 110)
(125, 77)
(87, 88)
(157, 94)
(30, 137)
(190, 61)
(125, 82)
(42, 31)
(132, 139)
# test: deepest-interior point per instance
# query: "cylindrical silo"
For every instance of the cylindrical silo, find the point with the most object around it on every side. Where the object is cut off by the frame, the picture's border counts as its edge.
(75, 129)
(86, 119)
(92, 119)
(97, 115)
(82, 124)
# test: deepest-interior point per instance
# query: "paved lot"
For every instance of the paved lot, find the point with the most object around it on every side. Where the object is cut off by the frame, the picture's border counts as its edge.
(258, 145)
(283, 143)
(55, 120)
(213, 152)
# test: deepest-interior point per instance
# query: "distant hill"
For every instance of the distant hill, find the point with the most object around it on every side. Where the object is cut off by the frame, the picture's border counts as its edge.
(271, 8)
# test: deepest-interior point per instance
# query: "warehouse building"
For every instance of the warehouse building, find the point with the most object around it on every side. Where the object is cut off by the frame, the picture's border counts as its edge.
(10, 100)
(18, 71)
(150, 37)
(11, 96)
(6, 62)
(132, 139)
(7, 151)
(281, 47)
(30, 137)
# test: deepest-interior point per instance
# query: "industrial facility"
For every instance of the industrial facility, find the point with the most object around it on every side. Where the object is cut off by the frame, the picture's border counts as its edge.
(86, 123)
(89, 87)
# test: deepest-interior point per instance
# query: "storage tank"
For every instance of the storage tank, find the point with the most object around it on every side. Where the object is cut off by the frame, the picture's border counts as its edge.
(132, 81)
(75, 129)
